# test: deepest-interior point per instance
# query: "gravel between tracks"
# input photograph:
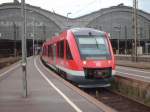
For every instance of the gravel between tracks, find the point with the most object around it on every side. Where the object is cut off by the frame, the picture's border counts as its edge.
(117, 102)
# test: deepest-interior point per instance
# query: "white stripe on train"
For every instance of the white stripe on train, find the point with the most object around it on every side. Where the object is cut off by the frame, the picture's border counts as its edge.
(73, 72)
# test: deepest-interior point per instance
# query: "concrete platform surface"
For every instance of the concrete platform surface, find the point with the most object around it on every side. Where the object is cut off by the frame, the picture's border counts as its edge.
(45, 92)
(127, 63)
(143, 61)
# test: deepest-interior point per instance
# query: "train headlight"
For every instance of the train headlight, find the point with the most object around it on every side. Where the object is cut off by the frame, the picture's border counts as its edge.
(84, 62)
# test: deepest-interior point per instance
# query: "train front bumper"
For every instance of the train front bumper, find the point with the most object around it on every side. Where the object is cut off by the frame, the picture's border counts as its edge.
(82, 82)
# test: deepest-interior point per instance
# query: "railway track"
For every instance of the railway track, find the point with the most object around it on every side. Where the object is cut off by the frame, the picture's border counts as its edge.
(117, 101)
(8, 61)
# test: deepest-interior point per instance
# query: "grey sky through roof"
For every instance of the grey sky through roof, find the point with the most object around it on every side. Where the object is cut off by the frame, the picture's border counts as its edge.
(77, 8)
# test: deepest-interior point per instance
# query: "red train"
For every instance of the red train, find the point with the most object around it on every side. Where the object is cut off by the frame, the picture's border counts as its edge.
(81, 55)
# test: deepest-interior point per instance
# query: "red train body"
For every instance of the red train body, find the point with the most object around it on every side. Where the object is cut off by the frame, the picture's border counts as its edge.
(81, 55)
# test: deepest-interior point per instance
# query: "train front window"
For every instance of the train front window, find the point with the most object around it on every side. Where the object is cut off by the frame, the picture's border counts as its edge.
(93, 47)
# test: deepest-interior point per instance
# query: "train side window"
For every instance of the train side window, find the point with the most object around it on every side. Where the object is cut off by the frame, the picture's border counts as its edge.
(61, 49)
(45, 50)
(50, 51)
(58, 49)
(68, 52)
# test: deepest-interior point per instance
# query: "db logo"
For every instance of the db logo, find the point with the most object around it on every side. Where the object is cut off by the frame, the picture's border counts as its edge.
(98, 64)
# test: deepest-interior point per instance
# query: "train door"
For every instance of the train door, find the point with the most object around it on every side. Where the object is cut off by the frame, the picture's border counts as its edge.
(54, 53)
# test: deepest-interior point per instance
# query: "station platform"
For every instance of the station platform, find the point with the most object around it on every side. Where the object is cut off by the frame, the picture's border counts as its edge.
(46, 93)
(143, 61)
(139, 65)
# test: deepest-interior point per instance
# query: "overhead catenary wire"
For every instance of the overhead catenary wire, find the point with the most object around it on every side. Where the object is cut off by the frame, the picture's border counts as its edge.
(84, 8)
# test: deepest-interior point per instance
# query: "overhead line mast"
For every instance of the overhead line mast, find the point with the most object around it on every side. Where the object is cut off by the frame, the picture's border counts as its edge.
(24, 61)
(135, 27)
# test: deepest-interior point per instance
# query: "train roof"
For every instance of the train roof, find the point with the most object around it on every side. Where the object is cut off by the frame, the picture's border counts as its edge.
(86, 31)
(78, 31)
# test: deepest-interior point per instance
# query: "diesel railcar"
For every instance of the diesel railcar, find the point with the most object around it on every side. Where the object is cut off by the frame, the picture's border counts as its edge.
(81, 55)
